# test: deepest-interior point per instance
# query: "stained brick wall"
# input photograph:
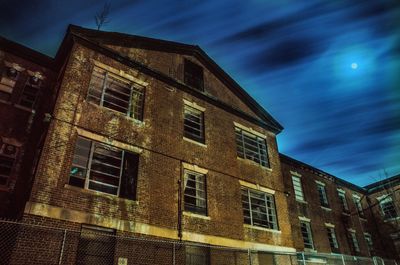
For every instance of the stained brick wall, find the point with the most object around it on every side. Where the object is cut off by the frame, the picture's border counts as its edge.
(161, 138)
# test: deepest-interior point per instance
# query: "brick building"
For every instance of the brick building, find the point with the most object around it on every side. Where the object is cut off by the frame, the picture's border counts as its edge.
(26, 91)
(334, 216)
(152, 139)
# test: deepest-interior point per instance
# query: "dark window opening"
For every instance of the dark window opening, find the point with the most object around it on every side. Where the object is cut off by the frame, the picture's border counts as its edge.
(193, 75)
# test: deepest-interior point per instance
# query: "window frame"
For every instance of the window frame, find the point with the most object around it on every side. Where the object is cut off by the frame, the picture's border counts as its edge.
(354, 241)
(189, 207)
(323, 196)
(5, 87)
(270, 211)
(201, 137)
(343, 201)
(334, 244)
(298, 193)
(308, 233)
(358, 204)
(104, 75)
(87, 167)
(23, 97)
(11, 158)
(190, 77)
(387, 199)
(261, 145)
(369, 241)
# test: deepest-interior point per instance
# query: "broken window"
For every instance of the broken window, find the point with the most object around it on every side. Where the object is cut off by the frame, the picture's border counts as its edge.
(104, 168)
(193, 75)
(195, 196)
(8, 80)
(117, 93)
(252, 147)
(259, 209)
(8, 155)
(193, 127)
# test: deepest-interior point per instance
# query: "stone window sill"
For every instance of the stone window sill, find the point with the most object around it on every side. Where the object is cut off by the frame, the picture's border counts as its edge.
(196, 215)
(262, 228)
(194, 142)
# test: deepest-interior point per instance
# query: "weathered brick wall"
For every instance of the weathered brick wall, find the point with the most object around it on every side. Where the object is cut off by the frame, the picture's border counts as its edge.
(161, 138)
(312, 209)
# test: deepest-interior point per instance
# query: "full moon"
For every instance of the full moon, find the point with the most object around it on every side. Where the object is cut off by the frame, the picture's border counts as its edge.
(354, 65)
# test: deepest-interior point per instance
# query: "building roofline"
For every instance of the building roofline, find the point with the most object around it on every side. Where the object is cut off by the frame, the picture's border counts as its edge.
(383, 184)
(123, 39)
(26, 53)
(322, 173)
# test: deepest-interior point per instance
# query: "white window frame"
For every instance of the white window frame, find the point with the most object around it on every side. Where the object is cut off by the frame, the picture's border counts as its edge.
(384, 200)
(307, 234)
(298, 188)
(343, 200)
(359, 207)
(354, 241)
(323, 197)
(267, 209)
(332, 238)
(200, 206)
(368, 239)
(137, 91)
(197, 114)
(244, 148)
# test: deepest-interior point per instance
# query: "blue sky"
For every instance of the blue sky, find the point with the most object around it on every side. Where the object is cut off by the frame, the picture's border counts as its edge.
(328, 71)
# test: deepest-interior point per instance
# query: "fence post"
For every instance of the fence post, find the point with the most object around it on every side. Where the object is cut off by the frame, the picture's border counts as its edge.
(303, 257)
(62, 247)
(249, 254)
(173, 253)
(344, 263)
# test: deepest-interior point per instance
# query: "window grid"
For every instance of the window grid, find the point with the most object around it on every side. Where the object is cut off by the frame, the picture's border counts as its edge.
(30, 93)
(343, 201)
(252, 147)
(8, 154)
(114, 92)
(354, 242)
(102, 168)
(368, 239)
(388, 208)
(195, 195)
(305, 228)
(322, 195)
(298, 189)
(193, 124)
(332, 238)
(259, 209)
(357, 202)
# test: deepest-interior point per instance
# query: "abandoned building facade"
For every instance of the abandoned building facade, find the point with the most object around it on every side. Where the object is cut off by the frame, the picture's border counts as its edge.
(130, 136)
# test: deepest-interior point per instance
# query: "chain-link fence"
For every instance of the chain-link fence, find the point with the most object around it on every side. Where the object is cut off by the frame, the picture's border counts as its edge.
(339, 259)
(22, 243)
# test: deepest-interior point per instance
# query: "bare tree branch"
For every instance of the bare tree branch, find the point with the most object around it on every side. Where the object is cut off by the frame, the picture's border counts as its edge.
(101, 17)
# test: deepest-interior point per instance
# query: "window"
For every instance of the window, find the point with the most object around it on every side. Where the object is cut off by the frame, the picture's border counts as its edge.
(353, 241)
(96, 246)
(387, 207)
(196, 255)
(357, 202)
(252, 147)
(193, 75)
(195, 192)
(368, 239)
(259, 209)
(298, 189)
(8, 80)
(343, 201)
(104, 168)
(307, 235)
(8, 154)
(114, 92)
(332, 239)
(30, 93)
(322, 195)
(193, 127)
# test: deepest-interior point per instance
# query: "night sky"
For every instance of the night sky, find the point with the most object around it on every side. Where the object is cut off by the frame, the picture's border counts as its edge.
(328, 71)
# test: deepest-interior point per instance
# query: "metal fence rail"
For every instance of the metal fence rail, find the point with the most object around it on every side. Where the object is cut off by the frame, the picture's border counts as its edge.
(22, 243)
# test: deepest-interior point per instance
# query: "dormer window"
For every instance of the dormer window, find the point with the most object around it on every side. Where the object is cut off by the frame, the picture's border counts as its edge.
(193, 75)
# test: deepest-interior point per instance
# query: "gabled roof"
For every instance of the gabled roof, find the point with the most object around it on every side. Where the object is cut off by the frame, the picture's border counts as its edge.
(126, 40)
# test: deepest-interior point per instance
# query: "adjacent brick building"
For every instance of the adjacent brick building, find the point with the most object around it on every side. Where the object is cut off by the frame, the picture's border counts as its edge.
(132, 136)
(334, 216)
